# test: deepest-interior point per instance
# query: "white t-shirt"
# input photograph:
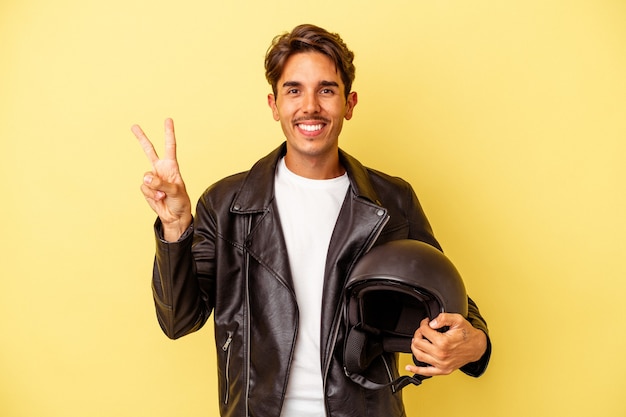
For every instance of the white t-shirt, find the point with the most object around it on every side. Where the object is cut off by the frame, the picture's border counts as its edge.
(308, 211)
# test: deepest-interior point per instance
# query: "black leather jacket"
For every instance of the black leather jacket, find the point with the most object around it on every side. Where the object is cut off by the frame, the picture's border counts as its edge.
(233, 262)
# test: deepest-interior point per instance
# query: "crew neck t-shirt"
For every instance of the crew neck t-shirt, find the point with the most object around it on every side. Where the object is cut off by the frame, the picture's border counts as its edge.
(308, 211)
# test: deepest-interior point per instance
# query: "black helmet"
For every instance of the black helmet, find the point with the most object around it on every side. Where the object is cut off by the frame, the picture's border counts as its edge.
(391, 289)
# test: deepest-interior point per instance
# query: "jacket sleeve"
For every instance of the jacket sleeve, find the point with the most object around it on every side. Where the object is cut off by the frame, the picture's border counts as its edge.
(477, 368)
(180, 304)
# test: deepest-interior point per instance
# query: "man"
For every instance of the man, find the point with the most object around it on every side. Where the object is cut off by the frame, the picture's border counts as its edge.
(268, 252)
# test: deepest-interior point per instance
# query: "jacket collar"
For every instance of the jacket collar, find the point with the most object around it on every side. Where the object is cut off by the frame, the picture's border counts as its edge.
(257, 190)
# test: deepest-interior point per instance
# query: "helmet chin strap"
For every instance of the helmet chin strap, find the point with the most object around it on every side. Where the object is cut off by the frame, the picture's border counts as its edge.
(360, 350)
(395, 385)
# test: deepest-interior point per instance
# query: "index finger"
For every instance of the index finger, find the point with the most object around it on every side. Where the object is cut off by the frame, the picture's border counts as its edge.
(145, 143)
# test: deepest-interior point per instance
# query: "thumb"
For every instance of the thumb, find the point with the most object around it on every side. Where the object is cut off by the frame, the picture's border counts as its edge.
(155, 183)
(442, 320)
(445, 321)
(158, 188)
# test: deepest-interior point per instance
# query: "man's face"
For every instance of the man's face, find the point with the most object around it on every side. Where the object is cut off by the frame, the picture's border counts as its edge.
(310, 104)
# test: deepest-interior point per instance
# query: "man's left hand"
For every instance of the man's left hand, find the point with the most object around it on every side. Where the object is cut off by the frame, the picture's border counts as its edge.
(446, 351)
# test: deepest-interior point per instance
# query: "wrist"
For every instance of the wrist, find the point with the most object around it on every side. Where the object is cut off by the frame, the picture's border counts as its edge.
(172, 231)
(481, 344)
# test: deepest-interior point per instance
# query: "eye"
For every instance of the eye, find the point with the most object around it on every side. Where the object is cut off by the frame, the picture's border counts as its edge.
(293, 91)
(327, 91)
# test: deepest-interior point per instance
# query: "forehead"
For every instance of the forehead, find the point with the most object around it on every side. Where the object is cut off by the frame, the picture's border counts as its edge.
(309, 67)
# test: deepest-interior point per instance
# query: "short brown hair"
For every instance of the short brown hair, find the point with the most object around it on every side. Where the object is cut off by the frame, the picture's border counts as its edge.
(309, 38)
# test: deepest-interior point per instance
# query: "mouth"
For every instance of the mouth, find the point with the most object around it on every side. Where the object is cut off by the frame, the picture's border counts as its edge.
(311, 126)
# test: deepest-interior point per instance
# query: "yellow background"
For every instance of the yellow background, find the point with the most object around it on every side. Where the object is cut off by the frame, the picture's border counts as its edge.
(508, 117)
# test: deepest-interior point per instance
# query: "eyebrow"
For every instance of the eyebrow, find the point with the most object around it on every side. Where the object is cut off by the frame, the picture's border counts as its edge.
(299, 84)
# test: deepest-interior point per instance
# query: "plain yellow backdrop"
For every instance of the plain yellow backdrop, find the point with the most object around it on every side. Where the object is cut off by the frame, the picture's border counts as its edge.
(508, 117)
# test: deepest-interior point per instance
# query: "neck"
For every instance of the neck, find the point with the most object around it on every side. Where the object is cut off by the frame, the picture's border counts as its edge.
(315, 168)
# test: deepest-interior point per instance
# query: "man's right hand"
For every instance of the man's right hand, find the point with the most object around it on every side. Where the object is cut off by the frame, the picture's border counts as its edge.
(163, 187)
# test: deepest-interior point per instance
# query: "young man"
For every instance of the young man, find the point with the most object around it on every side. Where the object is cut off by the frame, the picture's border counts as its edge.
(269, 250)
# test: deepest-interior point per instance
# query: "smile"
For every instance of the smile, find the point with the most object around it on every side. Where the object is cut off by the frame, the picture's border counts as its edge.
(311, 128)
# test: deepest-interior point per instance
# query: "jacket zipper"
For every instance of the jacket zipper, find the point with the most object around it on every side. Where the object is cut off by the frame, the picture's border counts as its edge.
(226, 348)
(247, 321)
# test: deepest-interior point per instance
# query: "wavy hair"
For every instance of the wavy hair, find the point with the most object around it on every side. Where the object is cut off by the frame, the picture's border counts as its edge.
(309, 38)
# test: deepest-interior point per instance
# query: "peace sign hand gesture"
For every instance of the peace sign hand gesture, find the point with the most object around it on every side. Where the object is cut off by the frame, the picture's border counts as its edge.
(163, 187)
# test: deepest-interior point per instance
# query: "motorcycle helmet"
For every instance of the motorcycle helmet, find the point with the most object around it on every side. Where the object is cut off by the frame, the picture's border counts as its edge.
(390, 290)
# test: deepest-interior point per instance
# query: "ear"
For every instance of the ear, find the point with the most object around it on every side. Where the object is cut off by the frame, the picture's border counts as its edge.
(353, 98)
(271, 101)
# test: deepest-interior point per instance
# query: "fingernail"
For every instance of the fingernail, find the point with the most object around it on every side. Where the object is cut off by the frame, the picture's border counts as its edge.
(433, 323)
(147, 179)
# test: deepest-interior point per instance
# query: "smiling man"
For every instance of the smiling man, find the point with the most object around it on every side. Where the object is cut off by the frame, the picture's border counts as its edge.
(269, 251)
(311, 102)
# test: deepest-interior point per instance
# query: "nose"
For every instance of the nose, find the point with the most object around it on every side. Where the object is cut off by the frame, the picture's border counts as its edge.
(310, 103)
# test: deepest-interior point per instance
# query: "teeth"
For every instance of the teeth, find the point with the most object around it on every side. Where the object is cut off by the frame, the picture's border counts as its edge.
(311, 128)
